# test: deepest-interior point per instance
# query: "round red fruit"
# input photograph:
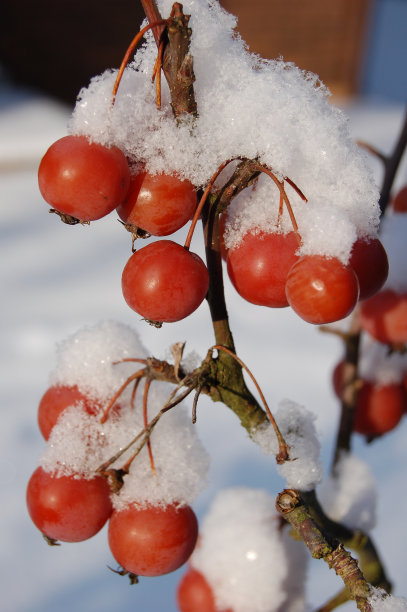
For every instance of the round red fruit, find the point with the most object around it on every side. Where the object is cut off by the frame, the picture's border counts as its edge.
(384, 317)
(152, 540)
(68, 508)
(195, 595)
(379, 408)
(83, 179)
(400, 201)
(369, 261)
(55, 400)
(158, 203)
(165, 282)
(321, 289)
(259, 265)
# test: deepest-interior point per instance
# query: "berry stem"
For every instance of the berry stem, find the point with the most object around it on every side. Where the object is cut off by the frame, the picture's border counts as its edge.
(145, 419)
(283, 453)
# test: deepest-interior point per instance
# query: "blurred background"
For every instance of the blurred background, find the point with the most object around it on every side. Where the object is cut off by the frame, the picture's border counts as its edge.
(56, 279)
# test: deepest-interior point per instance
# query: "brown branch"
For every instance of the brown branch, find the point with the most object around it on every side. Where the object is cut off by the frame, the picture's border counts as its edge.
(323, 546)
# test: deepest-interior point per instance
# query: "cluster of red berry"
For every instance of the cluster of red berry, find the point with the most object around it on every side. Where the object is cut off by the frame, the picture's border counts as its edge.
(145, 539)
(380, 406)
(163, 281)
(265, 269)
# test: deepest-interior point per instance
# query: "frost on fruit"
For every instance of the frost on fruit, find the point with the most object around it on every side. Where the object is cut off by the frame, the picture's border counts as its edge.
(298, 429)
(247, 107)
(79, 443)
(249, 562)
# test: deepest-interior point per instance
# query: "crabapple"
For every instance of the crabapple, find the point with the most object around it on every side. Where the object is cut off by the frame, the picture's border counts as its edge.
(152, 540)
(68, 508)
(400, 200)
(83, 179)
(379, 408)
(55, 400)
(163, 281)
(160, 204)
(321, 289)
(195, 595)
(384, 317)
(369, 261)
(259, 265)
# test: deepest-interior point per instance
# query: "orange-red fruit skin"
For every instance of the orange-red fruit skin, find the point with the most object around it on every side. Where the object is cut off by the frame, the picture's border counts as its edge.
(400, 201)
(82, 179)
(321, 289)
(369, 261)
(159, 204)
(55, 400)
(67, 508)
(379, 408)
(164, 282)
(384, 317)
(195, 595)
(259, 265)
(152, 540)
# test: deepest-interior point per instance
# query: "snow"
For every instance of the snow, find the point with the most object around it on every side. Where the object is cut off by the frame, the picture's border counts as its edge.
(57, 279)
(291, 127)
(245, 556)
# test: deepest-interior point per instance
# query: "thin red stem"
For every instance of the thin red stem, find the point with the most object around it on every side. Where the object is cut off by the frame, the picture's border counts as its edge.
(129, 51)
(202, 203)
(138, 374)
(145, 419)
(283, 454)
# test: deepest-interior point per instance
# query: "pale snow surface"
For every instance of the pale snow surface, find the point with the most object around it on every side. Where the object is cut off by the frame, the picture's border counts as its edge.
(247, 107)
(297, 425)
(350, 495)
(79, 443)
(251, 564)
(381, 602)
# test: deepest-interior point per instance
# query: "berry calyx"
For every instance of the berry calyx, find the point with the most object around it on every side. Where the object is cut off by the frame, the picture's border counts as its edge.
(369, 261)
(259, 265)
(152, 540)
(321, 289)
(384, 317)
(164, 282)
(68, 508)
(160, 204)
(83, 179)
(379, 408)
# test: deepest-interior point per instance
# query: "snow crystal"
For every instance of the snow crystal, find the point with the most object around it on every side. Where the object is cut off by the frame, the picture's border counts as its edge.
(246, 557)
(382, 602)
(296, 424)
(349, 496)
(79, 443)
(87, 359)
(377, 366)
(247, 107)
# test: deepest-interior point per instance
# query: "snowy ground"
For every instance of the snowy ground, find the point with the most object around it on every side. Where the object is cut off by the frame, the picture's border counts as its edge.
(56, 279)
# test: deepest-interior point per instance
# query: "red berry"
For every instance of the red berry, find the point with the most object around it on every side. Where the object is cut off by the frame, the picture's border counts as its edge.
(321, 289)
(370, 264)
(384, 316)
(259, 265)
(68, 508)
(195, 595)
(163, 281)
(55, 400)
(400, 201)
(152, 540)
(379, 408)
(83, 179)
(158, 203)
